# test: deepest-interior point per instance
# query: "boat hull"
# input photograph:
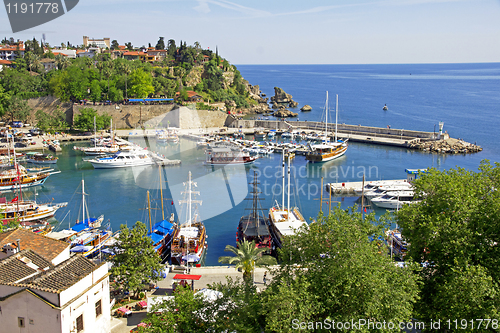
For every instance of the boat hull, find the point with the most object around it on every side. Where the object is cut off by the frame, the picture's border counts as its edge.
(325, 157)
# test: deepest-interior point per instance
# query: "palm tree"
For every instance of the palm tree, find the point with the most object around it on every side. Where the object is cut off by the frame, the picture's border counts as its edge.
(62, 61)
(32, 60)
(247, 258)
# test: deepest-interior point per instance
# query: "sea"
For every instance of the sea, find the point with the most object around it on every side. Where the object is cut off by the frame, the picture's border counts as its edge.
(464, 97)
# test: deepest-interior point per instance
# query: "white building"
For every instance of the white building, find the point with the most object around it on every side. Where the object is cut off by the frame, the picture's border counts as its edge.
(101, 43)
(37, 295)
(8, 52)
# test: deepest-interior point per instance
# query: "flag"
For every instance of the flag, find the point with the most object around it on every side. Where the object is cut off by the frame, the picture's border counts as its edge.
(15, 199)
(365, 209)
(172, 202)
(15, 179)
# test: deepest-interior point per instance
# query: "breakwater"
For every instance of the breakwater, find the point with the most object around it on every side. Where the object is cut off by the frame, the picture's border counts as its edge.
(426, 141)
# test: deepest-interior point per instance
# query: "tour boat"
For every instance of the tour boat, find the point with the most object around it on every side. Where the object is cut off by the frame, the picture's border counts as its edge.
(385, 108)
(327, 151)
(123, 159)
(255, 226)
(227, 155)
(13, 178)
(89, 243)
(39, 158)
(189, 241)
(26, 210)
(284, 220)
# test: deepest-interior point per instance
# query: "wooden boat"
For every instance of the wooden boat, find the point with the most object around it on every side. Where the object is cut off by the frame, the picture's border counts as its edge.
(39, 158)
(26, 210)
(189, 242)
(255, 226)
(397, 246)
(327, 151)
(90, 243)
(11, 178)
(284, 220)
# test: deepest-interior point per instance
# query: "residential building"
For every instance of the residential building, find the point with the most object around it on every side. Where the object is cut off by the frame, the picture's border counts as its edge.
(89, 53)
(193, 96)
(134, 55)
(53, 250)
(101, 43)
(158, 54)
(5, 63)
(8, 52)
(66, 52)
(48, 64)
(36, 296)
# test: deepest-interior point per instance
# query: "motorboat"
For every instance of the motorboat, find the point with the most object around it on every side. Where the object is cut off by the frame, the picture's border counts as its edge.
(394, 200)
(124, 159)
(39, 158)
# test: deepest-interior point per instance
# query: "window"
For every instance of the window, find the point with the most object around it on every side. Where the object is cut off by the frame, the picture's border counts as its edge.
(79, 323)
(98, 308)
(20, 321)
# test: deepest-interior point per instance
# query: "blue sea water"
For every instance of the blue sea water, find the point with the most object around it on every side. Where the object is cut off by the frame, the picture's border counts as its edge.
(464, 96)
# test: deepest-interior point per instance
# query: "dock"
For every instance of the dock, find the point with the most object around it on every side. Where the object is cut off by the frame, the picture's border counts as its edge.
(350, 188)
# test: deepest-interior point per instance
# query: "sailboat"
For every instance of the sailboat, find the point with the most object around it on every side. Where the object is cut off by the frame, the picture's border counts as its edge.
(89, 222)
(100, 149)
(162, 232)
(189, 242)
(327, 151)
(284, 221)
(254, 227)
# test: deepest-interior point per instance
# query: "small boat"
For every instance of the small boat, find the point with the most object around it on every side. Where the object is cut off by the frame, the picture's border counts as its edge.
(39, 158)
(189, 241)
(327, 151)
(11, 178)
(260, 135)
(123, 159)
(385, 108)
(161, 136)
(27, 210)
(255, 226)
(90, 243)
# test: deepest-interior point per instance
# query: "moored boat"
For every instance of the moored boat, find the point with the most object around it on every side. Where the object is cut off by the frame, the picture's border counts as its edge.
(123, 159)
(327, 151)
(394, 200)
(255, 226)
(189, 242)
(11, 178)
(284, 220)
(227, 155)
(39, 158)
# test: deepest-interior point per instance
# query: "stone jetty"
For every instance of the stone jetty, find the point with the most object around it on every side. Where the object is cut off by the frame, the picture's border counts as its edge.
(447, 146)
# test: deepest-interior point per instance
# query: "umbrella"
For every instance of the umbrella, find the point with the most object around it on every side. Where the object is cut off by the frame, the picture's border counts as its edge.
(108, 251)
(81, 248)
(209, 294)
(191, 258)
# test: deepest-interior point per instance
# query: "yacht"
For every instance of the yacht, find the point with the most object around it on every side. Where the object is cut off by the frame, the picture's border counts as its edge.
(284, 221)
(124, 159)
(394, 200)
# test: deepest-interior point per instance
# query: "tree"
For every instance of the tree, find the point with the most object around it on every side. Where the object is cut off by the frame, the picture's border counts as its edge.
(62, 61)
(18, 109)
(455, 230)
(4, 101)
(124, 67)
(136, 261)
(129, 46)
(171, 48)
(46, 122)
(95, 91)
(160, 45)
(141, 84)
(85, 120)
(32, 60)
(247, 257)
(115, 45)
(333, 270)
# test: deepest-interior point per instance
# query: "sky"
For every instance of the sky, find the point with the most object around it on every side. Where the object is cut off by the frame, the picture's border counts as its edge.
(291, 32)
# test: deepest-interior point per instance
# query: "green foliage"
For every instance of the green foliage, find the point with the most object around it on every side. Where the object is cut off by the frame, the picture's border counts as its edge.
(161, 44)
(46, 122)
(136, 259)
(4, 101)
(454, 229)
(335, 271)
(95, 91)
(85, 120)
(114, 44)
(17, 109)
(247, 257)
(141, 84)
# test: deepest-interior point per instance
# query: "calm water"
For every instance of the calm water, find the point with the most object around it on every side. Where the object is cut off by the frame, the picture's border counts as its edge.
(464, 96)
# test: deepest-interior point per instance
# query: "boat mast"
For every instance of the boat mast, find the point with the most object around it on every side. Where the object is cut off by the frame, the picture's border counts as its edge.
(83, 200)
(161, 195)
(326, 117)
(288, 198)
(336, 116)
(149, 211)
(95, 134)
(283, 180)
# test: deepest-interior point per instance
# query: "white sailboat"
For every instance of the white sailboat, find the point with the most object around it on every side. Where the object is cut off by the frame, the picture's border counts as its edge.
(284, 221)
(327, 151)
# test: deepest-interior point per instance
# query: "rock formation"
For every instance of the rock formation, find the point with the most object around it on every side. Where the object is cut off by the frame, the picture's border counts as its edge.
(306, 108)
(281, 97)
(448, 146)
(284, 113)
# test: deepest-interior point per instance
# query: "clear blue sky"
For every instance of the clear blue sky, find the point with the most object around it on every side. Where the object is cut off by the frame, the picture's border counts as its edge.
(292, 32)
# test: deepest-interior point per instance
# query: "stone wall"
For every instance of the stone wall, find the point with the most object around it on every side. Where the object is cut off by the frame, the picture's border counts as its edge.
(49, 104)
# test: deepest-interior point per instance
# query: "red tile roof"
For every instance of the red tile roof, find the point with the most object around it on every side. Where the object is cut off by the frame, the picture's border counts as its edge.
(46, 247)
(5, 62)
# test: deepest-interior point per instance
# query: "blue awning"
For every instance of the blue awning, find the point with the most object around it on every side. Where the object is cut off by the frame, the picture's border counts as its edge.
(150, 99)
